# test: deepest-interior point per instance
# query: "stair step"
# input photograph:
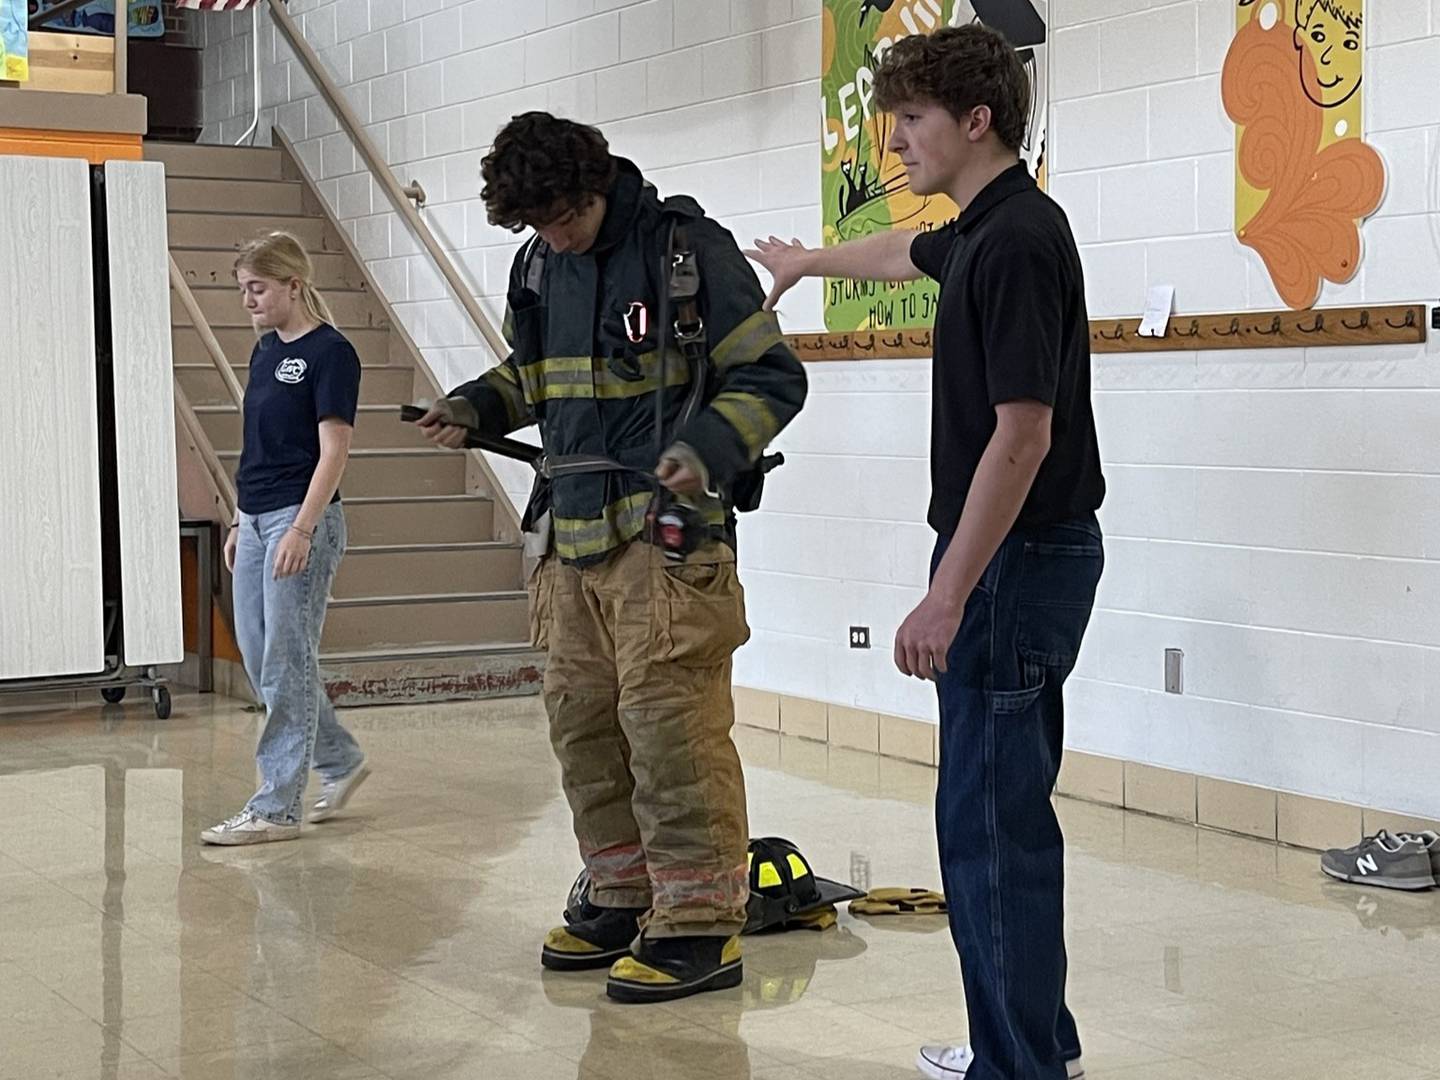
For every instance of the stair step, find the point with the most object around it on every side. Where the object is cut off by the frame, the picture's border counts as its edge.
(425, 519)
(235, 196)
(445, 619)
(376, 474)
(221, 305)
(376, 427)
(214, 162)
(232, 230)
(238, 342)
(379, 385)
(429, 569)
(216, 266)
(409, 675)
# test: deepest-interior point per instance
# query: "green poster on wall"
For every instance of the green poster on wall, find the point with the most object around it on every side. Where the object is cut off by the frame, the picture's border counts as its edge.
(863, 186)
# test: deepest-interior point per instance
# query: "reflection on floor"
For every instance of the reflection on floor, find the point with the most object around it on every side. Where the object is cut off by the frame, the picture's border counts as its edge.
(401, 940)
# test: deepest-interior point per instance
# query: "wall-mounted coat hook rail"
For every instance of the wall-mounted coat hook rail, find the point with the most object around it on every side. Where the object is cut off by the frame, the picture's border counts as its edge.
(1400, 324)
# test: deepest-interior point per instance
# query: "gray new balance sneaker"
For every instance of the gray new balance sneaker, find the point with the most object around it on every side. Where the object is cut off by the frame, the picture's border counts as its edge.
(1391, 861)
(1431, 843)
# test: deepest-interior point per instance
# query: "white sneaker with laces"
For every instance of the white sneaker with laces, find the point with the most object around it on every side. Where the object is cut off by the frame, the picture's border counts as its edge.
(334, 794)
(248, 827)
(952, 1062)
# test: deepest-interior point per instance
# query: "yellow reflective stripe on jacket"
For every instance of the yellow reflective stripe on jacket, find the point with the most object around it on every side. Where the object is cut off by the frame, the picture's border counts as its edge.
(503, 381)
(622, 521)
(752, 339)
(582, 377)
(751, 416)
(578, 538)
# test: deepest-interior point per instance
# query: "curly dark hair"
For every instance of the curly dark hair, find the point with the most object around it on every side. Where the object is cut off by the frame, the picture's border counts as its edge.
(540, 161)
(959, 67)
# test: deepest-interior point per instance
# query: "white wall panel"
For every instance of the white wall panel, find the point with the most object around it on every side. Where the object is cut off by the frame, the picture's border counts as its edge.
(50, 575)
(144, 413)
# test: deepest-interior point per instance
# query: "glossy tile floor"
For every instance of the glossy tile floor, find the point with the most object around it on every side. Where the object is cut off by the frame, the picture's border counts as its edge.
(402, 939)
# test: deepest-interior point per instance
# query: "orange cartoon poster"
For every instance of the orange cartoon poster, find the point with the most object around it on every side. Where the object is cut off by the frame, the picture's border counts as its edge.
(1304, 176)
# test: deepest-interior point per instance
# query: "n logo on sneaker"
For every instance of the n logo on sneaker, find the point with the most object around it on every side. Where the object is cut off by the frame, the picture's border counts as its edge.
(1366, 864)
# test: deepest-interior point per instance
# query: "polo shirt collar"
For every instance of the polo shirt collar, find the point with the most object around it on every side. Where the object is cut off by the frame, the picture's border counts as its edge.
(1012, 181)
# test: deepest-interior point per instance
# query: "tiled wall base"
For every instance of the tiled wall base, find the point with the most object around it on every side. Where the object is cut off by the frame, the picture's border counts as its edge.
(1218, 804)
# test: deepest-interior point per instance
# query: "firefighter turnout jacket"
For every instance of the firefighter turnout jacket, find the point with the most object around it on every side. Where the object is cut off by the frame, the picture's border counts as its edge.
(577, 370)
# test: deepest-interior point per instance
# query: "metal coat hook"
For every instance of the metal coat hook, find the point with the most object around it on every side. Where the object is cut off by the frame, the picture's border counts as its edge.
(1406, 325)
(1275, 328)
(1317, 328)
(1119, 333)
(1194, 330)
(899, 340)
(1363, 324)
(1234, 330)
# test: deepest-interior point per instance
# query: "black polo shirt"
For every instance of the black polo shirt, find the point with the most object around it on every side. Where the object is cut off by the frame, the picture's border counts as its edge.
(1011, 325)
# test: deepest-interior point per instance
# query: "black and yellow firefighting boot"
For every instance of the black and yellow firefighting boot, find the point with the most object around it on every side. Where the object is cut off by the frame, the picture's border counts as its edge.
(663, 969)
(596, 940)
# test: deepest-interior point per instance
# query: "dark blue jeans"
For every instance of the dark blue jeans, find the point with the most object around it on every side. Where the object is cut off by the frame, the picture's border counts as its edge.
(1002, 856)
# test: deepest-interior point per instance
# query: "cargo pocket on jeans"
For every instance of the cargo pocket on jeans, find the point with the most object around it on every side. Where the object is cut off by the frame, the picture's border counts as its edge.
(699, 613)
(540, 587)
(1012, 702)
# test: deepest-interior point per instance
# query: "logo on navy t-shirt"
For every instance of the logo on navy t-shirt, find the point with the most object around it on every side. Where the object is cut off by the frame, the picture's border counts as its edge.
(291, 370)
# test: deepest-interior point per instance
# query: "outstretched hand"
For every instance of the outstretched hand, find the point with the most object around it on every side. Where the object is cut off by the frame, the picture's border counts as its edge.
(784, 262)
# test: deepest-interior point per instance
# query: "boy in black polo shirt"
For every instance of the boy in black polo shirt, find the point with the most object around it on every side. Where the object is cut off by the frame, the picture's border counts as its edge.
(1016, 481)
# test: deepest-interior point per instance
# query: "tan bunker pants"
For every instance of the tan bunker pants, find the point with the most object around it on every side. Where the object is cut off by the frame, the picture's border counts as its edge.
(637, 688)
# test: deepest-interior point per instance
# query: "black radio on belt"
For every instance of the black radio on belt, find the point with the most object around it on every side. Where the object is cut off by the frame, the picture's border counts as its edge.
(674, 527)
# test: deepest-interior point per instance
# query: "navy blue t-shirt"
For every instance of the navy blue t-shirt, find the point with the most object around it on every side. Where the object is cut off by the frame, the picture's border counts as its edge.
(293, 386)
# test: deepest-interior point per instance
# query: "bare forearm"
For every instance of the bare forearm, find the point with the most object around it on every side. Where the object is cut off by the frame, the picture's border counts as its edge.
(882, 256)
(997, 493)
(323, 485)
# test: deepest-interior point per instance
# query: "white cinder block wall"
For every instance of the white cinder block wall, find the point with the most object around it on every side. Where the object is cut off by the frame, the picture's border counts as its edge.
(1276, 515)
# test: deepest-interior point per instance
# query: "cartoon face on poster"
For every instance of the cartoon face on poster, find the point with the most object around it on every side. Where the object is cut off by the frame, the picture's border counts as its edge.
(863, 184)
(1305, 178)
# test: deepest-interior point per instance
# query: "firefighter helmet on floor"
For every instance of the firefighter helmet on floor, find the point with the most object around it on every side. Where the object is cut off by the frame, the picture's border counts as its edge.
(783, 890)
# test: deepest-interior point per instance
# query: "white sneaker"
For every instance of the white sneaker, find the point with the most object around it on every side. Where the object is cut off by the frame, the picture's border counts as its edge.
(248, 827)
(334, 794)
(952, 1062)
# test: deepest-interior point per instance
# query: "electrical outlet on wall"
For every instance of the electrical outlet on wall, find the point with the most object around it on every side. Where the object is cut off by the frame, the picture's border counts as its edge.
(859, 637)
(1174, 671)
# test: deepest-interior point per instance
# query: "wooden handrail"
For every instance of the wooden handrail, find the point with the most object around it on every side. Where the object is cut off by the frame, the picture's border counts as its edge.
(207, 336)
(380, 170)
(225, 496)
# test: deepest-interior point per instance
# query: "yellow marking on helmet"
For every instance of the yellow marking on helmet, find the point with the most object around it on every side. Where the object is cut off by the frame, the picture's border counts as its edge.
(798, 869)
(769, 875)
(749, 859)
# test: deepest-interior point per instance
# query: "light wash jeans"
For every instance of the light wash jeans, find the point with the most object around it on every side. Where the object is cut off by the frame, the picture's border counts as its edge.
(278, 624)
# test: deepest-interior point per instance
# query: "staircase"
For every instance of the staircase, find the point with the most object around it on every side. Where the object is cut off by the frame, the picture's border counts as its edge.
(429, 603)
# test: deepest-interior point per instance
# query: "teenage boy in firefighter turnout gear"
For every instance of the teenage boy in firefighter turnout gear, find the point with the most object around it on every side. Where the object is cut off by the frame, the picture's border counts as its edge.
(637, 684)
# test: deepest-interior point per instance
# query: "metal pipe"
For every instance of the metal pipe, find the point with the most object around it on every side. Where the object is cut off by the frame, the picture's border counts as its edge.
(255, 67)
(380, 170)
(122, 47)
